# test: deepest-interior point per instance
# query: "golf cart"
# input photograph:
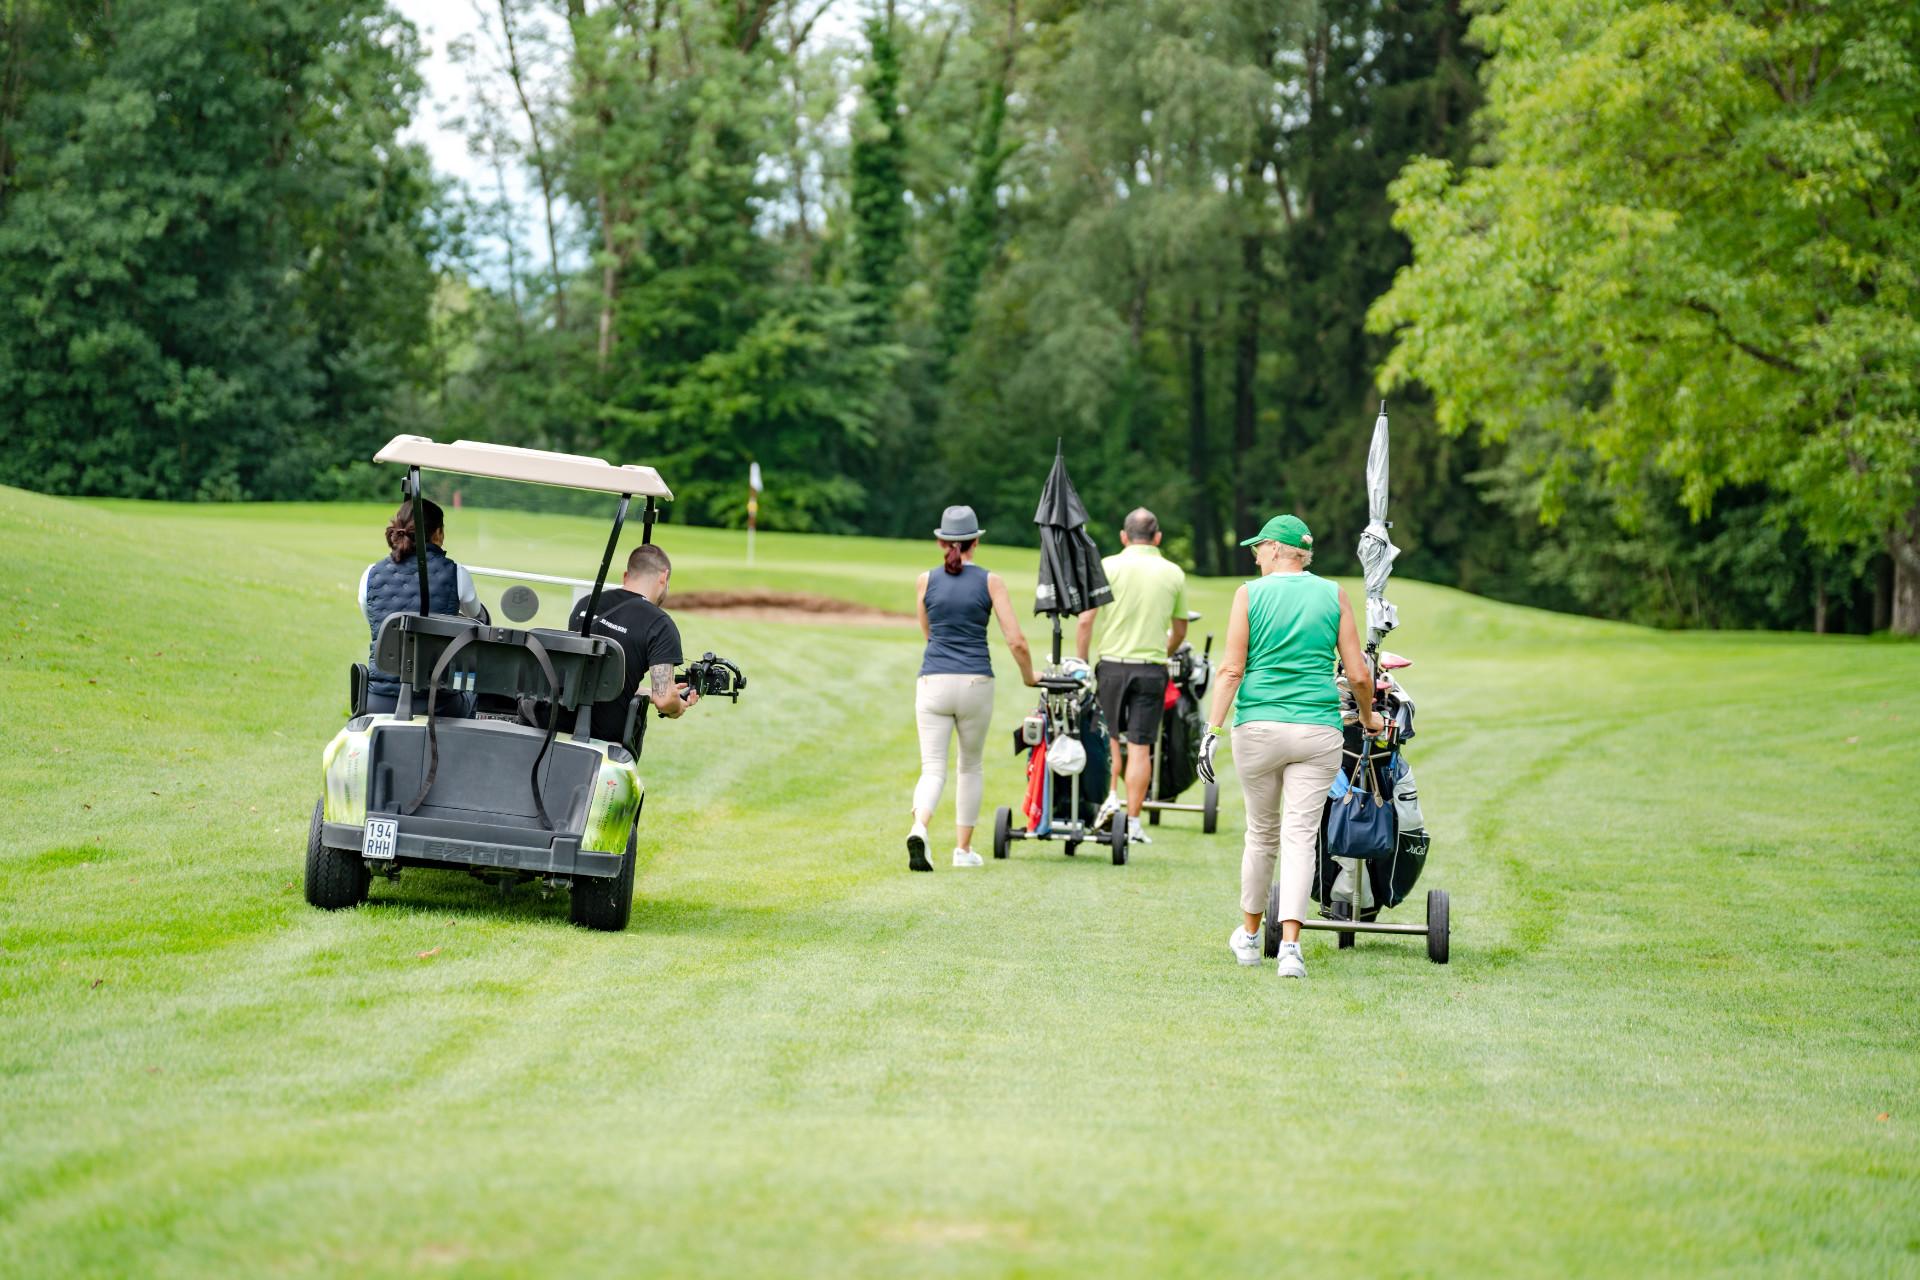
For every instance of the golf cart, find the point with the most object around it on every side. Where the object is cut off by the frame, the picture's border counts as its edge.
(513, 786)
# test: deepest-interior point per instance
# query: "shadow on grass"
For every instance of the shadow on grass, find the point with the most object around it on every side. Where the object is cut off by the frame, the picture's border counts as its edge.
(450, 893)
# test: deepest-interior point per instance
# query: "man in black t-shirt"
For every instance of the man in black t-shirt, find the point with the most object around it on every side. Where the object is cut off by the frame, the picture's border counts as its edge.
(630, 615)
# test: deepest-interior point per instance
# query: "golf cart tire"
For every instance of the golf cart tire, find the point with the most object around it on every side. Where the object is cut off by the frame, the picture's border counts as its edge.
(1117, 836)
(1270, 924)
(606, 904)
(1439, 927)
(1210, 808)
(1002, 831)
(336, 878)
(1344, 941)
(1153, 817)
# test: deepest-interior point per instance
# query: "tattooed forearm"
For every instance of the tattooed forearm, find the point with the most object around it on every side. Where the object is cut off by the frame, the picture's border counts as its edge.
(665, 696)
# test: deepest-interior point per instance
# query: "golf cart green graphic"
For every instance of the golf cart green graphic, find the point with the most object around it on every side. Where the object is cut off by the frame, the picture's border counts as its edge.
(506, 794)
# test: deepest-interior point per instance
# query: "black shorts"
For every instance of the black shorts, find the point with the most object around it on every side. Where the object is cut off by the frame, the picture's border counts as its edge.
(1133, 696)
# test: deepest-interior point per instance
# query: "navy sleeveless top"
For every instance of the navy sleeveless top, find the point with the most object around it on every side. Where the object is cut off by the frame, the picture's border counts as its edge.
(958, 607)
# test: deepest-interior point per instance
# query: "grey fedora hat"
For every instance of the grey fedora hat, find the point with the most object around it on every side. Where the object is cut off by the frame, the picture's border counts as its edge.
(958, 524)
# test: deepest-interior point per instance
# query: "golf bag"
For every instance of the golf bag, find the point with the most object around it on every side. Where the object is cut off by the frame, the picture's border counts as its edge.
(1090, 727)
(1372, 814)
(1182, 726)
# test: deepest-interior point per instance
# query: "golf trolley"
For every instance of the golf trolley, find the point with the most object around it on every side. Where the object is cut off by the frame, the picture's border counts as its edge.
(502, 776)
(1176, 749)
(1068, 714)
(1370, 855)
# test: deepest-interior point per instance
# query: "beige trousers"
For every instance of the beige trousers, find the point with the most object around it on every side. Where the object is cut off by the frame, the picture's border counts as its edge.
(1285, 770)
(947, 707)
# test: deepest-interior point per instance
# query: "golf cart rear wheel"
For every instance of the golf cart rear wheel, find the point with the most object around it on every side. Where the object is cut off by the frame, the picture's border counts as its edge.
(1002, 831)
(1117, 836)
(336, 878)
(1210, 808)
(1153, 817)
(1270, 930)
(606, 904)
(1439, 928)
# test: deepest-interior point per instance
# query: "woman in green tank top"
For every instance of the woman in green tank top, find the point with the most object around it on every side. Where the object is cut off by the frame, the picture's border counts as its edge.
(1276, 678)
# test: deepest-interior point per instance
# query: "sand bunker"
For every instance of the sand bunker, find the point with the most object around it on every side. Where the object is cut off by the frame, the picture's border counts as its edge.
(784, 606)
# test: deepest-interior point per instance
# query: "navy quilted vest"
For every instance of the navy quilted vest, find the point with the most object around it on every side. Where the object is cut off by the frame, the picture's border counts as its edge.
(395, 588)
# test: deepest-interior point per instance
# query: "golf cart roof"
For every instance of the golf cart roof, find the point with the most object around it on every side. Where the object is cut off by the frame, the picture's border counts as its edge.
(532, 466)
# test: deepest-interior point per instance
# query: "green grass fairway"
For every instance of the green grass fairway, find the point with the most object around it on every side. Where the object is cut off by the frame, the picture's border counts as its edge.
(1680, 1035)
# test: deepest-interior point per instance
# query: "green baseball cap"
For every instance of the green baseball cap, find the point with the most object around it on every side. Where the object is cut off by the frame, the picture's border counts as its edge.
(1291, 530)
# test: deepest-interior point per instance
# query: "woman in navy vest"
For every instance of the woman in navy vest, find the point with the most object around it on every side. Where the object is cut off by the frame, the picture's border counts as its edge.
(392, 585)
(954, 694)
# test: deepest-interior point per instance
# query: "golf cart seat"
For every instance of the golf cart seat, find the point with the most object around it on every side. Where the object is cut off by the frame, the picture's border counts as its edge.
(574, 671)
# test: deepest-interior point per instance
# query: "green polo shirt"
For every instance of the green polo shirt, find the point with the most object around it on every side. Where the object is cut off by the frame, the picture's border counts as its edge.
(1148, 592)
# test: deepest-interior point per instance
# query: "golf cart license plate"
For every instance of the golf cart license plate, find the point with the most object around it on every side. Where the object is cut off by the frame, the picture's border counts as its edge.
(382, 835)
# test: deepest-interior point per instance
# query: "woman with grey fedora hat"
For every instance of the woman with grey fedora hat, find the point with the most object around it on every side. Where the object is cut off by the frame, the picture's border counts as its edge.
(953, 697)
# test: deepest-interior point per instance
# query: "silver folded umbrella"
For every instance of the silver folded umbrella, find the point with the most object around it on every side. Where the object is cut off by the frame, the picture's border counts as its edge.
(1376, 547)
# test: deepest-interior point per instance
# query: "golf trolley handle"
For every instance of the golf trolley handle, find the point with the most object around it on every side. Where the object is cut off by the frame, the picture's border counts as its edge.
(1060, 684)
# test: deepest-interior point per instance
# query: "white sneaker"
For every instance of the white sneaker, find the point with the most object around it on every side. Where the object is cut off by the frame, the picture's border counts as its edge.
(1291, 964)
(967, 858)
(917, 849)
(1245, 946)
(1107, 809)
(1135, 835)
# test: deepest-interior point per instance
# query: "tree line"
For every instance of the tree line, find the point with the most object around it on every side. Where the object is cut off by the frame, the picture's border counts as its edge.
(1637, 277)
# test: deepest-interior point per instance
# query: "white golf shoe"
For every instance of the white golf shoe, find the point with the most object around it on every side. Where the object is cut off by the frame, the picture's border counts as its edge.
(1291, 964)
(1245, 946)
(917, 849)
(967, 858)
(1135, 835)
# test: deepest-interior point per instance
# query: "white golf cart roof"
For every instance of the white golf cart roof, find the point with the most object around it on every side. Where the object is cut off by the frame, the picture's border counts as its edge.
(533, 466)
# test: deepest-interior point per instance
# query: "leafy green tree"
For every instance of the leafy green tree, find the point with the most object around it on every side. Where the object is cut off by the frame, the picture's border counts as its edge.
(877, 195)
(215, 246)
(1694, 252)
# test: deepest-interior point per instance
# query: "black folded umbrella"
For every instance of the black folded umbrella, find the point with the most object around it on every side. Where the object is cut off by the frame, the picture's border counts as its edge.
(1071, 579)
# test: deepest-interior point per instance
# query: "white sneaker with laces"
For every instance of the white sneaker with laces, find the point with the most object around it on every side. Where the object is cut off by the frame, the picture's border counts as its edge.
(1245, 946)
(967, 858)
(1291, 964)
(917, 849)
(1135, 835)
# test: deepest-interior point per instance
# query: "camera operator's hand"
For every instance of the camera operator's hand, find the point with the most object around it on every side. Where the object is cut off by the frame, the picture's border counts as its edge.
(670, 698)
(688, 696)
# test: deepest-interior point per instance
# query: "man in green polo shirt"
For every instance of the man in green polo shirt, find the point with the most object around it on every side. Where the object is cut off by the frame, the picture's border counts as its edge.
(1145, 623)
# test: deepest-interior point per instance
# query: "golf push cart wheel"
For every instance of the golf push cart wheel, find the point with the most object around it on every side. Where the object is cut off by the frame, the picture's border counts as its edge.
(1153, 817)
(1439, 928)
(1210, 808)
(606, 903)
(1002, 831)
(1117, 836)
(336, 878)
(1270, 927)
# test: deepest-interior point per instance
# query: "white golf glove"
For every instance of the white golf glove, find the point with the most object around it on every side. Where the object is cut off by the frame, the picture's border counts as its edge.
(1209, 743)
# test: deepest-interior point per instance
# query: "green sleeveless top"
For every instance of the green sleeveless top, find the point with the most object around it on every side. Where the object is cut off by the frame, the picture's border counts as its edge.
(1293, 634)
